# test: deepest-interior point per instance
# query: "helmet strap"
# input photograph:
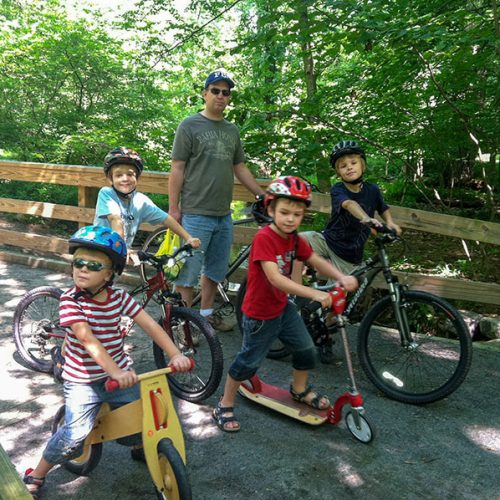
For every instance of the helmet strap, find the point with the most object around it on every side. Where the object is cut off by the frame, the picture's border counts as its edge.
(359, 180)
(84, 292)
(123, 195)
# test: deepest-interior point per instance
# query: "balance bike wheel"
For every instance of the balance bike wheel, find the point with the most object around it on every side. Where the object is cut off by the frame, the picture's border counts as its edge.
(173, 471)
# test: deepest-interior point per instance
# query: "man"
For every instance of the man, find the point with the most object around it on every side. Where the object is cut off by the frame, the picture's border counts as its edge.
(206, 155)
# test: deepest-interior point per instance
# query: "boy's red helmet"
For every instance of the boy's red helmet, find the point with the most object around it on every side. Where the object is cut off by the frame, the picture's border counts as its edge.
(289, 187)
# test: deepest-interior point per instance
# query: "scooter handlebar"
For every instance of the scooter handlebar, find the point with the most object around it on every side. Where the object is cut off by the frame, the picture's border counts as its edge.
(338, 295)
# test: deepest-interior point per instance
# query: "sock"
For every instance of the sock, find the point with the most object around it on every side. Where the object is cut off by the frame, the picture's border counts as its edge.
(206, 312)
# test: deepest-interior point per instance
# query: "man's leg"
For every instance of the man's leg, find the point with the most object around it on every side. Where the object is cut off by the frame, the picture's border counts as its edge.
(186, 294)
(208, 291)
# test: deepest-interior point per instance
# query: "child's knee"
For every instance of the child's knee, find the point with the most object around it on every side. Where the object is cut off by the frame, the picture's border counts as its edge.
(305, 359)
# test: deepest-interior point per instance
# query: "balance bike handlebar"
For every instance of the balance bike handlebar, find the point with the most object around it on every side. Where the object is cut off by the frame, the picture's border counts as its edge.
(112, 385)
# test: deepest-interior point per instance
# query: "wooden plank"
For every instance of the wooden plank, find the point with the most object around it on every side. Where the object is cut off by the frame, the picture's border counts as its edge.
(34, 241)
(47, 210)
(431, 222)
(11, 484)
(448, 225)
(77, 175)
(449, 288)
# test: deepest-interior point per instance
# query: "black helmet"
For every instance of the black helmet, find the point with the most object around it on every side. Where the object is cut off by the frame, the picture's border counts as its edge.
(346, 148)
(124, 156)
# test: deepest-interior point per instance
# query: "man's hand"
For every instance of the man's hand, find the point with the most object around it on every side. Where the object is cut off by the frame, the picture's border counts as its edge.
(175, 213)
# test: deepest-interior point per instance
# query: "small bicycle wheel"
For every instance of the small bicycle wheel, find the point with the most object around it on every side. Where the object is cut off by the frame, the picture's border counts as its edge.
(36, 327)
(174, 474)
(359, 427)
(278, 350)
(427, 366)
(90, 457)
(151, 245)
(196, 339)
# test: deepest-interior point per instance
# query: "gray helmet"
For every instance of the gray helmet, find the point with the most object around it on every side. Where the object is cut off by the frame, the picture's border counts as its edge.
(345, 148)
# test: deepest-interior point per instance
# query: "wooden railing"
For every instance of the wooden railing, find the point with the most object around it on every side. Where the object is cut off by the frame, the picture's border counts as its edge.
(89, 179)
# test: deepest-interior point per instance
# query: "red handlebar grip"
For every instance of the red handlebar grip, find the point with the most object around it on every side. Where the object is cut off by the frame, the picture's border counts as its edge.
(111, 385)
(174, 370)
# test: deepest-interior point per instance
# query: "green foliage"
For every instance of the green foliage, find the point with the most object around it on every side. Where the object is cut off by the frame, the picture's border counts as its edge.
(415, 82)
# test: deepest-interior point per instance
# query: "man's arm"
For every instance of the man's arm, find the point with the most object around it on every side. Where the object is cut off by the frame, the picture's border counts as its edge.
(247, 179)
(175, 182)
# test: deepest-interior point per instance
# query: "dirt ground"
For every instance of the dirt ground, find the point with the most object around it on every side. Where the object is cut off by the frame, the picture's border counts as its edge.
(446, 450)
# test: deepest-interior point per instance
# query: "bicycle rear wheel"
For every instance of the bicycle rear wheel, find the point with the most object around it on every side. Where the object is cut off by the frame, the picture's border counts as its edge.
(196, 339)
(36, 327)
(431, 365)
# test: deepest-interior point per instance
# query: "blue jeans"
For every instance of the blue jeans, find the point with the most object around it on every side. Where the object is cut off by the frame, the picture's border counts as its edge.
(216, 235)
(259, 335)
(82, 403)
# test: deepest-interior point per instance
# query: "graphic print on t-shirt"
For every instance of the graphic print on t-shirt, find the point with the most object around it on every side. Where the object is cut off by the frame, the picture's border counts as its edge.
(218, 144)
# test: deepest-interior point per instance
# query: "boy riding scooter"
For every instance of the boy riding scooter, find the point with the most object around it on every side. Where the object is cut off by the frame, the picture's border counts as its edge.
(267, 313)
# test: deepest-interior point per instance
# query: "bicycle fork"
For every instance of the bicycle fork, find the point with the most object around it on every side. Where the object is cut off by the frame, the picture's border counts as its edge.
(399, 308)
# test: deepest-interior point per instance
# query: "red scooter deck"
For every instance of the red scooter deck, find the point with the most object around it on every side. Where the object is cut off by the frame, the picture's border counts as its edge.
(280, 399)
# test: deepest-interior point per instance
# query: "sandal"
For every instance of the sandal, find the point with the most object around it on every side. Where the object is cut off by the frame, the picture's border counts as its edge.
(222, 421)
(315, 402)
(33, 484)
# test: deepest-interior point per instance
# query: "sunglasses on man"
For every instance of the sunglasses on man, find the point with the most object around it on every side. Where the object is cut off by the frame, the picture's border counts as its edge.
(91, 265)
(216, 91)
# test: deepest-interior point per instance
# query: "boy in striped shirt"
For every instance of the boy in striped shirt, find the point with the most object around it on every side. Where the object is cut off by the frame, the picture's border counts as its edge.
(94, 348)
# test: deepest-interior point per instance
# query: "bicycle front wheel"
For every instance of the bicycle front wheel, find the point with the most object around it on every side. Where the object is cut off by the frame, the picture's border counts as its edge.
(173, 472)
(36, 327)
(428, 365)
(195, 338)
(151, 245)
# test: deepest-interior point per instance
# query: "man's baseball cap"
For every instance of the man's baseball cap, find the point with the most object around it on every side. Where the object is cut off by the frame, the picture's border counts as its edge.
(217, 76)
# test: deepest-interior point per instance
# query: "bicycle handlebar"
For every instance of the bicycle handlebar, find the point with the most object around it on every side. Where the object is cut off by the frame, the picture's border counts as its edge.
(388, 234)
(163, 259)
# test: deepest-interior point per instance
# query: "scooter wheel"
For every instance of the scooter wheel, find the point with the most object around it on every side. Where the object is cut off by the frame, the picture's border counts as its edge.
(359, 427)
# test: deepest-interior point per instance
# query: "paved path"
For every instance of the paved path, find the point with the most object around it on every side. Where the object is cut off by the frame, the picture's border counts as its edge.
(448, 450)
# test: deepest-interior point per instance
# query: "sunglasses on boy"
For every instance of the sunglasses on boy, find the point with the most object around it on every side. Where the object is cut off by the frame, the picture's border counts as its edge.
(91, 265)
(216, 91)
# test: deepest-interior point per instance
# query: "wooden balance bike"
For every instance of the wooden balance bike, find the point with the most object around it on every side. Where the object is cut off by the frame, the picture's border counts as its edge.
(151, 419)
(280, 399)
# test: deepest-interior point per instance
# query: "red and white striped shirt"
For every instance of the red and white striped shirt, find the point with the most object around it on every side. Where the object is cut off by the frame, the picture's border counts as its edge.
(104, 321)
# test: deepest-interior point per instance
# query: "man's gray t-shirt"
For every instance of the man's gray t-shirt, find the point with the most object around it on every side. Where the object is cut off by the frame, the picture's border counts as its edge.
(210, 149)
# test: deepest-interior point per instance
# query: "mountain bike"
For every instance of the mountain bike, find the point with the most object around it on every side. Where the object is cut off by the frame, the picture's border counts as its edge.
(412, 345)
(238, 261)
(37, 331)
